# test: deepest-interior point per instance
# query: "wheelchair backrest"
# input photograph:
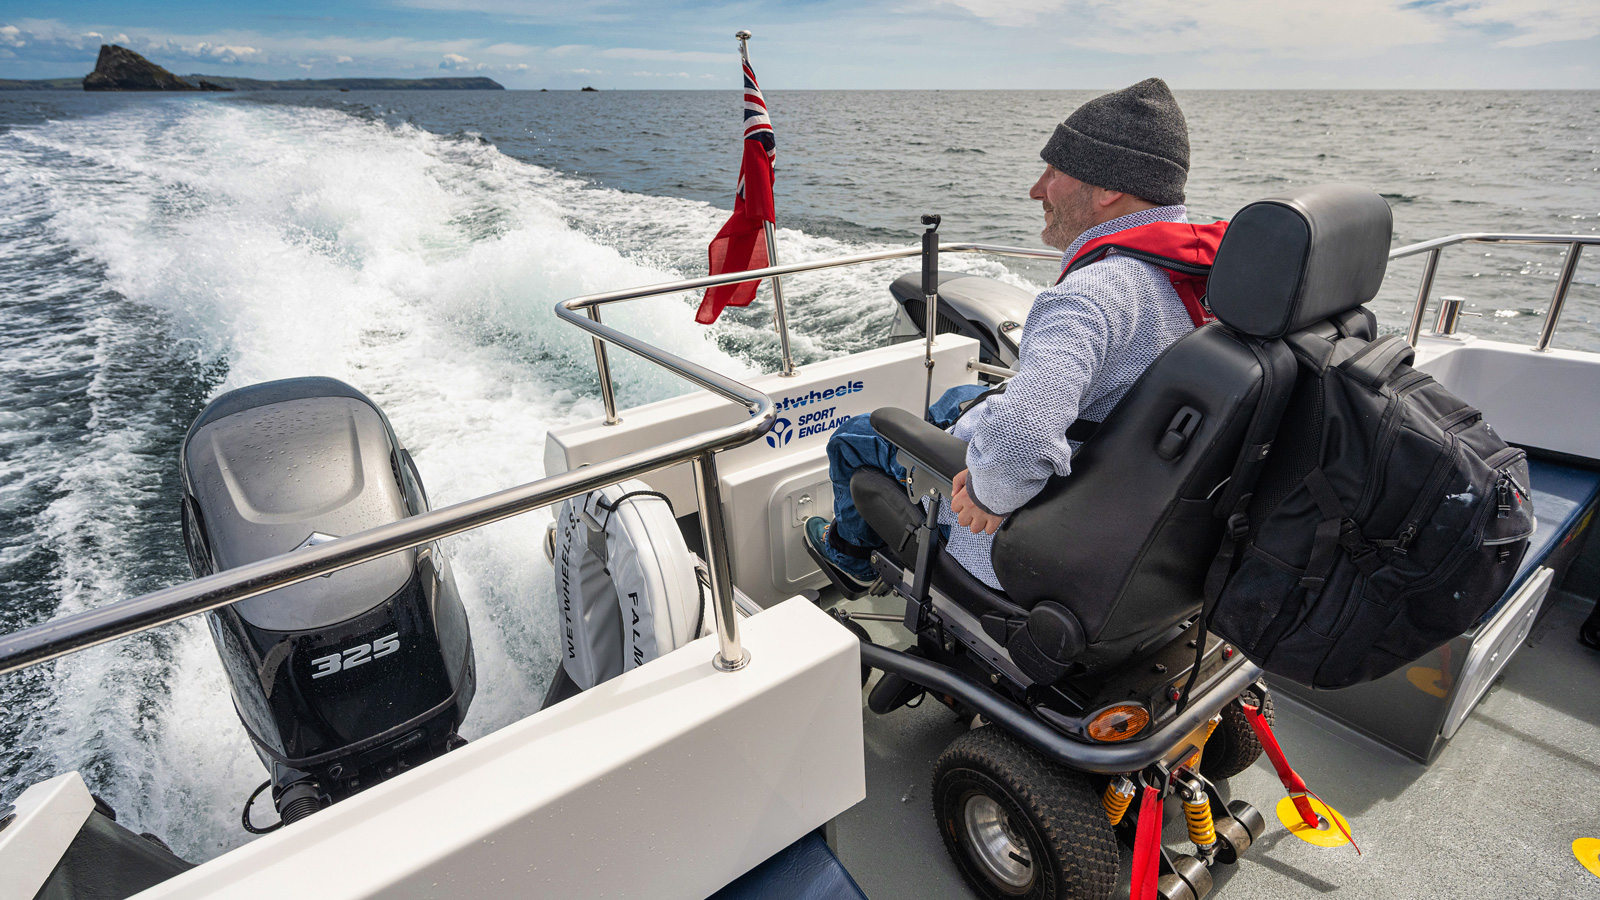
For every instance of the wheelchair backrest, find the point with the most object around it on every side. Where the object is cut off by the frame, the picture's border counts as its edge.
(1125, 540)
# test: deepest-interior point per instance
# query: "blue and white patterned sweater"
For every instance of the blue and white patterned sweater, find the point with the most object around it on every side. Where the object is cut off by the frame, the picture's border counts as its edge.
(1086, 341)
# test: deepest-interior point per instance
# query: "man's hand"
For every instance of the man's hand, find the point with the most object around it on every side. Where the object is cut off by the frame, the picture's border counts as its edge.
(969, 513)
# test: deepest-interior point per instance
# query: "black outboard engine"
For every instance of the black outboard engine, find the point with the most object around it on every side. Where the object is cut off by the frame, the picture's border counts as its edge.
(347, 679)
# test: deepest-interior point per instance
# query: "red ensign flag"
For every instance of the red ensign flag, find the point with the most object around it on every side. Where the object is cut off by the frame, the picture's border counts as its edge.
(741, 245)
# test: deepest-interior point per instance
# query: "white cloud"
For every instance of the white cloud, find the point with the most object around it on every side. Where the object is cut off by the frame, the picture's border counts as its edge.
(1316, 29)
(1274, 27)
(228, 54)
(669, 55)
(1533, 21)
(659, 74)
(505, 49)
(51, 39)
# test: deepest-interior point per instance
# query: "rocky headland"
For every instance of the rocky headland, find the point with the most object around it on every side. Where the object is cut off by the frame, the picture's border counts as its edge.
(121, 69)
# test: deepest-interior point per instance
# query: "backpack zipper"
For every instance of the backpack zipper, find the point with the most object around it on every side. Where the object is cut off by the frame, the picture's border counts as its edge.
(1436, 479)
(1389, 430)
(1506, 485)
(1463, 415)
(1513, 456)
(1480, 520)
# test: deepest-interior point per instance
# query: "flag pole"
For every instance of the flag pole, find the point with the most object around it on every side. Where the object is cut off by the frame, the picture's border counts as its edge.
(780, 321)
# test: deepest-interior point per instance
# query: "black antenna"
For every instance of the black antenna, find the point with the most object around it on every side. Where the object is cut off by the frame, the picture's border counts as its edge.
(930, 300)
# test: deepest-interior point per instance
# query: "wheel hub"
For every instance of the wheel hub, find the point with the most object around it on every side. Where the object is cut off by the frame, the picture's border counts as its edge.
(995, 843)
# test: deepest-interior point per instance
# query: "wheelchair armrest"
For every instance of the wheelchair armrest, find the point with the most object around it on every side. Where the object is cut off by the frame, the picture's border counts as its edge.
(931, 450)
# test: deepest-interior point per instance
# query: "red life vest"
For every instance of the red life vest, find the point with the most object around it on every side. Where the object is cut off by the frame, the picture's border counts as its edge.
(1184, 251)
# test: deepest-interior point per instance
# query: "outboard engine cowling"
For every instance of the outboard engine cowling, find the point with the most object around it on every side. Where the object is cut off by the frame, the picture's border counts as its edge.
(987, 309)
(343, 680)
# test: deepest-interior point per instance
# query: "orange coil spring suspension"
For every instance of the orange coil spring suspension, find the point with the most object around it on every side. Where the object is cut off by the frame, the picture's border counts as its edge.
(1197, 810)
(1117, 798)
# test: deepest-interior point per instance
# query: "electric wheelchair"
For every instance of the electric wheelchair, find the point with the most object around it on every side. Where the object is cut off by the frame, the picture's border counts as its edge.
(1092, 672)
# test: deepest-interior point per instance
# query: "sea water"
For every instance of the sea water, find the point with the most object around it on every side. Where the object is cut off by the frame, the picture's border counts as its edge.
(156, 251)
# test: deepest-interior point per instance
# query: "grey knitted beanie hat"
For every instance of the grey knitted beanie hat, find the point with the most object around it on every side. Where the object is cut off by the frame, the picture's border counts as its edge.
(1134, 140)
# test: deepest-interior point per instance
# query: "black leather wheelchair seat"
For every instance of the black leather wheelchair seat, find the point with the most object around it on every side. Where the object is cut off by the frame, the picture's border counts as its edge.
(885, 506)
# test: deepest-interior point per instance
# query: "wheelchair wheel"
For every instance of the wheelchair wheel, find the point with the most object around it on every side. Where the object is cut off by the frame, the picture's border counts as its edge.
(1233, 746)
(1018, 825)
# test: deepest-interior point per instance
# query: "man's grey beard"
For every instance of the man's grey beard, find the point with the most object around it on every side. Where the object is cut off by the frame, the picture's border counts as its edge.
(1070, 220)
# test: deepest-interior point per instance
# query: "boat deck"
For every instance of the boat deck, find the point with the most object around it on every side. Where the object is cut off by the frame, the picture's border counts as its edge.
(1493, 817)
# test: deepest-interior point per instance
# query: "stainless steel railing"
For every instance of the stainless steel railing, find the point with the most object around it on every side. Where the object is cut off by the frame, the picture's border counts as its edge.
(1575, 244)
(584, 312)
(590, 304)
(78, 631)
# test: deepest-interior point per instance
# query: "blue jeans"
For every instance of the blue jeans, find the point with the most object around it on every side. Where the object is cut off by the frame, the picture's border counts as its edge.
(855, 445)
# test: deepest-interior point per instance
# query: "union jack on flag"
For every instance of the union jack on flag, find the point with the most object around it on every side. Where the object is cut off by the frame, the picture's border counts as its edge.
(741, 243)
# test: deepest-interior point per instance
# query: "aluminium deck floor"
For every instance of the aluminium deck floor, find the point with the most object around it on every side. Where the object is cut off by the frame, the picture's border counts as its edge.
(1493, 817)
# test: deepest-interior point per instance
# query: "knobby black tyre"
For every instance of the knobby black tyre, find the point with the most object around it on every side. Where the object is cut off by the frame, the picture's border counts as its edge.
(1020, 826)
(1233, 747)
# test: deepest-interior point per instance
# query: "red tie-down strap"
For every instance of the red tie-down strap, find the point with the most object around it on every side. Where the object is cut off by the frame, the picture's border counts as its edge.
(1292, 782)
(1147, 847)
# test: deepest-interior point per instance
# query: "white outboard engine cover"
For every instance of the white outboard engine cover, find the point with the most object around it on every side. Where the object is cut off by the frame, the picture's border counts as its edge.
(627, 583)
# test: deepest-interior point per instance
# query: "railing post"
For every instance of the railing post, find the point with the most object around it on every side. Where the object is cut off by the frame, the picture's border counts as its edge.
(779, 318)
(731, 655)
(603, 365)
(1414, 332)
(1552, 316)
(930, 302)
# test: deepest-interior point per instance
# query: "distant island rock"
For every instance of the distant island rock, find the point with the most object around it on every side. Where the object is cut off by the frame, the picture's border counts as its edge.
(121, 69)
(596, 90)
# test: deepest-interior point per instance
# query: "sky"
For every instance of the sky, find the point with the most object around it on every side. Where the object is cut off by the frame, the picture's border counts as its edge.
(833, 44)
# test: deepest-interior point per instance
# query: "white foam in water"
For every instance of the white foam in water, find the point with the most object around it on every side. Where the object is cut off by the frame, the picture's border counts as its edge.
(420, 269)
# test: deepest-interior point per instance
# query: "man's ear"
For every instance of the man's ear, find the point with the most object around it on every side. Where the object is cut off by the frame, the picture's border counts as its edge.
(1105, 199)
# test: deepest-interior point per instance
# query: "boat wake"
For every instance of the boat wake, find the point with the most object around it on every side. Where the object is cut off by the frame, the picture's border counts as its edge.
(154, 256)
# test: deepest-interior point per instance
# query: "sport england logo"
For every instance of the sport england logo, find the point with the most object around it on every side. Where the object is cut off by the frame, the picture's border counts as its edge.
(815, 421)
(782, 431)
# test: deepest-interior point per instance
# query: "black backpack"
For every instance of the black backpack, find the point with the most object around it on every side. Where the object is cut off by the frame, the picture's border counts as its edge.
(1386, 520)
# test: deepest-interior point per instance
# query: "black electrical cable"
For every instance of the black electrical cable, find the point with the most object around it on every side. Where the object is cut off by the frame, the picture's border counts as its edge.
(244, 818)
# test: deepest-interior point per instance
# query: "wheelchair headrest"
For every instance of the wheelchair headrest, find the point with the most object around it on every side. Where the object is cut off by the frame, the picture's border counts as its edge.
(1288, 262)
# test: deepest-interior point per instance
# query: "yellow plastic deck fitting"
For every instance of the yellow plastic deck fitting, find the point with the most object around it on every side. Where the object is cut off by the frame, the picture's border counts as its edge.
(1587, 850)
(1427, 680)
(1326, 836)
